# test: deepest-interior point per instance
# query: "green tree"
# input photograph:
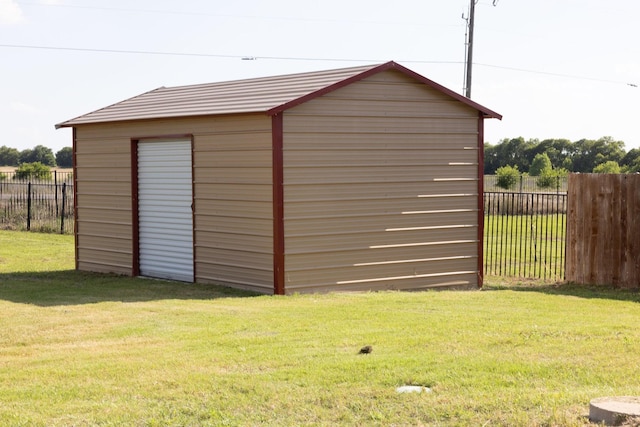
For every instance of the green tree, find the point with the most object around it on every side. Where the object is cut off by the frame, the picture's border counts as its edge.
(9, 156)
(491, 162)
(607, 167)
(558, 150)
(34, 170)
(634, 167)
(631, 157)
(589, 153)
(40, 154)
(64, 157)
(507, 177)
(541, 164)
(508, 152)
(567, 164)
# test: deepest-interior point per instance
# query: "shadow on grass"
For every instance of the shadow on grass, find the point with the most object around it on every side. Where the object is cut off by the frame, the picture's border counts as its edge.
(572, 289)
(72, 287)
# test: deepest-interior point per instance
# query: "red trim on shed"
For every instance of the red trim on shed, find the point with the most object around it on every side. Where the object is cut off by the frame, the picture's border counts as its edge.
(480, 200)
(278, 203)
(193, 206)
(75, 195)
(135, 224)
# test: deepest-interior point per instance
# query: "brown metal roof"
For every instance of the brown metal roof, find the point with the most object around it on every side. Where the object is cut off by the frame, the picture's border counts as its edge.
(269, 95)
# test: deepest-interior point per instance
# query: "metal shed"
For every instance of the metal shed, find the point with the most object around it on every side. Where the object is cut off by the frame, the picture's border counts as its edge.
(363, 178)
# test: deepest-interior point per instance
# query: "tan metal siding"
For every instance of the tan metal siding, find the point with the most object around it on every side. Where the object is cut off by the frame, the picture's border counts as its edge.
(380, 187)
(103, 197)
(232, 196)
(233, 204)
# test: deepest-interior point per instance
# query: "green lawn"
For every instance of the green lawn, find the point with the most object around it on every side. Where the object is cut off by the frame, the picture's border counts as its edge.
(79, 349)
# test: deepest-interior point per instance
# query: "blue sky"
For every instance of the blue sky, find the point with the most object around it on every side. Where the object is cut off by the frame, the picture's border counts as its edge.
(552, 68)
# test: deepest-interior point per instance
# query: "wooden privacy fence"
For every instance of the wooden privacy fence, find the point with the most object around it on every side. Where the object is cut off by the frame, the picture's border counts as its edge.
(603, 230)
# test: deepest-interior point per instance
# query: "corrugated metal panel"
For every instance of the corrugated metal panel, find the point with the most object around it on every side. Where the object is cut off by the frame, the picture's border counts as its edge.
(104, 266)
(383, 141)
(103, 206)
(426, 267)
(450, 280)
(384, 196)
(365, 256)
(233, 204)
(234, 125)
(260, 95)
(104, 261)
(164, 210)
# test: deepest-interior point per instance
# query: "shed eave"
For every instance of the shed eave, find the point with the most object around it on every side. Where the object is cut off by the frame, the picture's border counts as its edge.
(79, 122)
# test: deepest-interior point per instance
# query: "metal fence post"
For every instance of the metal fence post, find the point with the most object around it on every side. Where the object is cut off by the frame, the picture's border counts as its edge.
(64, 198)
(29, 206)
(55, 184)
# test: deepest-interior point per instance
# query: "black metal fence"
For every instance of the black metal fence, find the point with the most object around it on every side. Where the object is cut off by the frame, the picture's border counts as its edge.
(37, 203)
(524, 234)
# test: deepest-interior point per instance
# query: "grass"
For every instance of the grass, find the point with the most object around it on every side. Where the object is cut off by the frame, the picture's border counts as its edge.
(80, 349)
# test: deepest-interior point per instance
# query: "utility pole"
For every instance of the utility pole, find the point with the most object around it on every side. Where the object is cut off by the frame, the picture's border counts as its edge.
(469, 46)
(469, 55)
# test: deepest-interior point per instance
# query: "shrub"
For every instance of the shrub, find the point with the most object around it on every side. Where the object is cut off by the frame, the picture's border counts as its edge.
(540, 165)
(507, 177)
(35, 170)
(551, 178)
(547, 179)
(607, 167)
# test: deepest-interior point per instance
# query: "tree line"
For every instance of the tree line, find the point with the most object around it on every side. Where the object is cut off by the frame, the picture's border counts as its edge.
(39, 154)
(561, 155)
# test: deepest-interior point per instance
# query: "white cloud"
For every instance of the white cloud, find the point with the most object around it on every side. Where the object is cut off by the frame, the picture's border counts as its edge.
(10, 12)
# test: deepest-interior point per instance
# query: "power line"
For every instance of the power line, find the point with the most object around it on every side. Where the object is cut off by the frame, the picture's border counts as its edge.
(211, 55)
(294, 58)
(136, 52)
(548, 73)
(218, 15)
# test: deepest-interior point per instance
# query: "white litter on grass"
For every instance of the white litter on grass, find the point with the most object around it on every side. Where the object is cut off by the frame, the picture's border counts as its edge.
(413, 389)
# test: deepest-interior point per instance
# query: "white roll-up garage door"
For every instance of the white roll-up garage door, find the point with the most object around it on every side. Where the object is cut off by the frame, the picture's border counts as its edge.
(165, 217)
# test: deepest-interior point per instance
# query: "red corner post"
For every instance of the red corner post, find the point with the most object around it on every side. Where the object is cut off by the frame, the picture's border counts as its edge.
(480, 199)
(278, 203)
